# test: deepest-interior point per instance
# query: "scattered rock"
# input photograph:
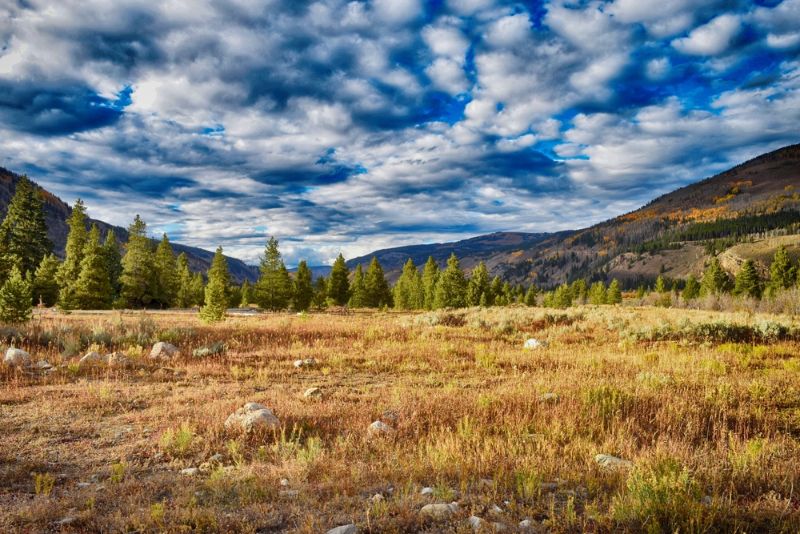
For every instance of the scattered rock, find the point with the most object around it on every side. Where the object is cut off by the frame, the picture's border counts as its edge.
(66, 521)
(548, 397)
(378, 428)
(215, 349)
(390, 417)
(289, 494)
(119, 361)
(252, 417)
(190, 471)
(92, 359)
(17, 358)
(439, 512)
(313, 393)
(532, 344)
(216, 459)
(606, 461)
(526, 524)
(44, 365)
(164, 351)
(496, 510)
(308, 362)
(426, 491)
(83, 485)
(476, 522)
(344, 529)
(284, 482)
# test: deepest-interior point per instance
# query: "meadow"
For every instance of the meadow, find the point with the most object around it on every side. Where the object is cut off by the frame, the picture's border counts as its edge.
(700, 411)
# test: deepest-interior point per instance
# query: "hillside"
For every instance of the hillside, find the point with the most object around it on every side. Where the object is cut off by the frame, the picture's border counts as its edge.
(57, 211)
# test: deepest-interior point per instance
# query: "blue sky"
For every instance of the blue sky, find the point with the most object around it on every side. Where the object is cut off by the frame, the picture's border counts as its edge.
(351, 126)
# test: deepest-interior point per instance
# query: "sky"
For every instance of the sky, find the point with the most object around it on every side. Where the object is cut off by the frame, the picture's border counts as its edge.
(350, 126)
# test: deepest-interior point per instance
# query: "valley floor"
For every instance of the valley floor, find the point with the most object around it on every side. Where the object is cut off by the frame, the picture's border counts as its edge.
(704, 430)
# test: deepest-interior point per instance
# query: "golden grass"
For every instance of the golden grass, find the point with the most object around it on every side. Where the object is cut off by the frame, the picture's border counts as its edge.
(712, 428)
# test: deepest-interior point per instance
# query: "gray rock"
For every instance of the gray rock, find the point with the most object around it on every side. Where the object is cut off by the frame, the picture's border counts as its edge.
(17, 358)
(476, 522)
(377, 498)
(119, 361)
(313, 393)
(92, 359)
(190, 471)
(344, 529)
(426, 491)
(533, 344)
(612, 463)
(289, 494)
(526, 524)
(252, 417)
(216, 459)
(548, 397)
(164, 351)
(308, 362)
(43, 365)
(439, 512)
(378, 428)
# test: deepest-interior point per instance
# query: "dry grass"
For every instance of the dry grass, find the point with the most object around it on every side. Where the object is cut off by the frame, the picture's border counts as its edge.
(711, 426)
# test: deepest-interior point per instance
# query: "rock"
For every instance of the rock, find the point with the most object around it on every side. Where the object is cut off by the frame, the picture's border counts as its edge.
(284, 482)
(344, 529)
(426, 491)
(92, 359)
(17, 358)
(611, 463)
(119, 361)
(43, 365)
(532, 344)
(164, 351)
(526, 524)
(308, 362)
(190, 471)
(378, 428)
(313, 393)
(548, 397)
(83, 485)
(499, 527)
(216, 459)
(252, 417)
(215, 349)
(377, 498)
(439, 512)
(476, 522)
(496, 510)
(289, 494)
(65, 521)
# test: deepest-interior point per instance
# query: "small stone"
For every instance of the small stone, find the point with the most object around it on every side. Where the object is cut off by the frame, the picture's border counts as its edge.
(313, 393)
(526, 524)
(499, 527)
(532, 344)
(251, 417)
(284, 482)
(606, 461)
(308, 362)
(216, 459)
(17, 358)
(84, 484)
(548, 397)
(190, 471)
(378, 428)
(476, 522)
(377, 498)
(289, 494)
(164, 351)
(426, 491)
(66, 521)
(439, 512)
(43, 365)
(92, 359)
(119, 361)
(496, 510)
(344, 529)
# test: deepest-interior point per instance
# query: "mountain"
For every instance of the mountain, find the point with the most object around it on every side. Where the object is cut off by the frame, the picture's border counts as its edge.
(57, 212)
(673, 235)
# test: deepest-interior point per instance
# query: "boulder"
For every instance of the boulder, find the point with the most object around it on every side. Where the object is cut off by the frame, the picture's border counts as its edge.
(612, 463)
(119, 361)
(17, 358)
(526, 524)
(252, 417)
(532, 344)
(439, 512)
(476, 522)
(344, 529)
(378, 428)
(426, 491)
(93, 359)
(43, 365)
(164, 351)
(313, 393)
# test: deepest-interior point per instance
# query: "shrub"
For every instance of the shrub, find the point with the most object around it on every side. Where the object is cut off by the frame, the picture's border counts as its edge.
(178, 442)
(43, 483)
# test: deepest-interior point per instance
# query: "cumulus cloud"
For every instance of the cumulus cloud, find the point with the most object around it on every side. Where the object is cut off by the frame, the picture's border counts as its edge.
(712, 38)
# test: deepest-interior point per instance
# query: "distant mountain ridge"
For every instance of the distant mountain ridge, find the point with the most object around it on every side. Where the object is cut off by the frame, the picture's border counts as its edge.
(57, 211)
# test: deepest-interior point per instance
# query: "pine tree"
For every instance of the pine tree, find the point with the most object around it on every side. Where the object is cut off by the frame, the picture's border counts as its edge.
(45, 285)
(198, 290)
(73, 255)
(93, 287)
(530, 296)
(358, 291)
(579, 291)
(598, 294)
(451, 289)
(691, 290)
(495, 296)
(715, 279)
(562, 296)
(167, 283)
(303, 288)
(113, 260)
(408, 291)
(216, 293)
(185, 297)
(274, 286)
(24, 229)
(15, 298)
(661, 286)
(781, 273)
(138, 280)
(247, 294)
(376, 289)
(339, 283)
(320, 298)
(430, 277)
(614, 295)
(748, 282)
(479, 286)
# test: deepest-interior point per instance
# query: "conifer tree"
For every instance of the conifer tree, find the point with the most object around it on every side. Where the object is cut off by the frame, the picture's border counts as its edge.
(408, 291)
(93, 287)
(640, 291)
(166, 274)
(781, 273)
(614, 295)
(597, 293)
(358, 292)
(70, 269)
(216, 293)
(508, 294)
(579, 290)
(562, 296)
(44, 288)
(479, 286)
(748, 282)
(451, 288)
(15, 298)
(691, 290)
(113, 260)
(495, 296)
(197, 290)
(430, 277)
(661, 286)
(24, 230)
(247, 294)
(138, 280)
(338, 288)
(185, 297)
(303, 287)
(376, 289)
(274, 286)
(320, 293)
(715, 279)
(530, 296)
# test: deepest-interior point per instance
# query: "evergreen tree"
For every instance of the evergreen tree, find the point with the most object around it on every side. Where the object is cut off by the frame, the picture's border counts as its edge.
(358, 292)
(45, 285)
(579, 291)
(185, 297)
(274, 286)
(562, 297)
(376, 289)
(715, 279)
(198, 290)
(70, 269)
(166, 274)
(15, 298)
(24, 230)
(338, 289)
(430, 277)
(598, 294)
(661, 286)
(93, 287)
(748, 282)
(781, 273)
(691, 290)
(113, 260)
(614, 295)
(530, 296)
(303, 288)
(451, 288)
(216, 292)
(138, 280)
(508, 294)
(247, 294)
(640, 291)
(495, 296)
(479, 286)
(408, 291)
(320, 298)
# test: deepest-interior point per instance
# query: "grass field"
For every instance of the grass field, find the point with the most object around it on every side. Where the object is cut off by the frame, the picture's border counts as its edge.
(705, 406)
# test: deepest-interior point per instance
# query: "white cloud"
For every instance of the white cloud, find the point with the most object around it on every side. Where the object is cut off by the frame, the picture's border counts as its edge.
(447, 75)
(712, 38)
